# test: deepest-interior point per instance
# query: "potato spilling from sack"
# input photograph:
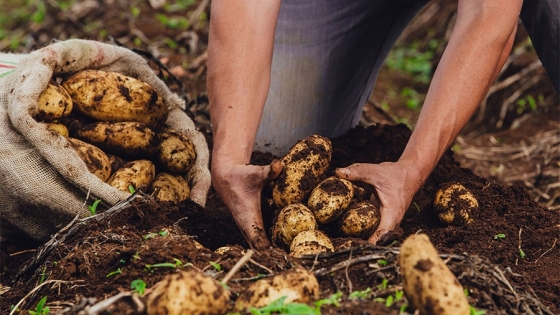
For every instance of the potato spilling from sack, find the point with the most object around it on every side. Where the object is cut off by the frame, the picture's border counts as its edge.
(330, 198)
(310, 242)
(113, 97)
(188, 292)
(176, 151)
(306, 161)
(54, 103)
(292, 220)
(428, 284)
(170, 187)
(137, 174)
(455, 204)
(96, 160)
(360, 220)
(296, 285)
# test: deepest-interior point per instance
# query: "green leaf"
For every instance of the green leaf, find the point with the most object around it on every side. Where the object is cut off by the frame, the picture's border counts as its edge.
(138, 286)
(216, 265)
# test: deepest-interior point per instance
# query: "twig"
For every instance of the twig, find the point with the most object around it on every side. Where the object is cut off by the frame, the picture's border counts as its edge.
(105, 304)
(552, 247)
(37, 289)
(346, 263)
(238, 266)
(347, 276)
(261, 266)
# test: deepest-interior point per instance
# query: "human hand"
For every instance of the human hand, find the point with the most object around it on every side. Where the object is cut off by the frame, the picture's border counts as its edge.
(395, 184)
(240, 188)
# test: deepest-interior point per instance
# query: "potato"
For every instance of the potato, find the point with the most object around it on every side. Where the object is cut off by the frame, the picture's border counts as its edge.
(310, 242)
(58, 128)
(131, 139)
(188, 292)
(226, 249)
(428, 284)
(360, 220)
(116, 162)
(170, 187)
(330, 198)
(139, 174)
(96, 160)
(176, 152)
(455, 204)
(291, 220)
(306, 161)
(113, 97)
(296, 284)
(54, 103)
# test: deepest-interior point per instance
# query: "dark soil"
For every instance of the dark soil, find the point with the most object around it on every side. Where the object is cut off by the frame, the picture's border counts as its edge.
(104, 256)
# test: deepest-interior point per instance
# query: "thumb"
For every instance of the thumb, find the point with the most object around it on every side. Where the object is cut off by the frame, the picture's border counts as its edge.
(385, 229)
(354, 172)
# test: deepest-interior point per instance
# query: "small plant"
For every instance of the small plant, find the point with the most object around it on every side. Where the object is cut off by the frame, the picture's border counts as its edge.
(364, 294)
(499, 236)
(176, 264)
(40, 308)
(131, 189)
(114, 272)
(382, 262)
(216, 265)
(521, 253)
(93, 208)
(139, 286)
(383, 284)
(472, 309)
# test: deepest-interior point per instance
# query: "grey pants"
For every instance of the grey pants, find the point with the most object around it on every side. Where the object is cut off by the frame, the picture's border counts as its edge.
(328, 53)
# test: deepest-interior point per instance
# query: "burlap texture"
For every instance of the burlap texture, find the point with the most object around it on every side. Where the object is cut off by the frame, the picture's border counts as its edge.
(43, 182)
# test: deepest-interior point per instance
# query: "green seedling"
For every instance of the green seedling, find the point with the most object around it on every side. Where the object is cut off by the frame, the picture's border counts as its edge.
(383, 284)
(216, 265)
(472, 309)
(40, 308)
(499, 236)
(114, 272)
(403, 308)
(521, 253)
(131, 189)
(398, 295)
(364, 294)
(382, 262)
(139, 286)
(280, 307)
(176, 264)
(93, 208)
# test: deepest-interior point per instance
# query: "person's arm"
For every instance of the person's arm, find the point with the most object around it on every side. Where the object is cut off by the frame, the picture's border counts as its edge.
(241, 40)
(482, 39)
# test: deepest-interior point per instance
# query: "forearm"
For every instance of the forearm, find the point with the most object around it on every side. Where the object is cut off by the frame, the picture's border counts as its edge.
(239, 56)
(479, 45)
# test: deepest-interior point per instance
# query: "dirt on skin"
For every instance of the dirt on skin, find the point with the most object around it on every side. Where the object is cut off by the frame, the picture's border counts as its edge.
(511, 238)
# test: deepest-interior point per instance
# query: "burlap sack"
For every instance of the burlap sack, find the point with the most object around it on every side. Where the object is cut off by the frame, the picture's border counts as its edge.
(43, 182)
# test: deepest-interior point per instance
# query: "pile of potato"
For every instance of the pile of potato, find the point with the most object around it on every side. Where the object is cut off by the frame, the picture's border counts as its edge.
(308, 201)
(116, 124)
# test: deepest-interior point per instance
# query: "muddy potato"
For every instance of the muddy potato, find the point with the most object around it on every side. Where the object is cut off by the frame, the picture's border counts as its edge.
(188, 292)
(96, 160)
(131, 139)
(58, 128)
(53, 103)
(296, 284)
(170, 187)
(428, 284)
(116, 162)
(113, 97)
(306, 161)
(291, 220)
(454, 204)
(176, 152)
(360, 220)
(139, 174)
(330, 198)
(310, 242)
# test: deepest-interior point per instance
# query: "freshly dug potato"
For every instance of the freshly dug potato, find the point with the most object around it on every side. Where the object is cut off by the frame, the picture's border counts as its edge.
(428, 284)
(188, 292)
(170, 187)
(296, 284)
(225, 249)
(306, 161)
(113, 97)
(360, 220)
(96, 160)
(455, 204)
(330, 198)
(176, 151)
(131, 139)
(54, 103)
(310, 242)
(139, 174)
(58, 128)
(291, 220)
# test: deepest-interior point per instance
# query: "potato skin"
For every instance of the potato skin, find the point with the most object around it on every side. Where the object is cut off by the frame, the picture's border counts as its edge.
(188, 292)
(96, 160)
(53, 103)
(131, 139)
(428, 284)
(306, 161)
(310, 242)
(170, 187)
(138, 173)
(58, 128)
(330, 198)
(176, 152)
(296, 284)
(455, 204)
(360, 220)
(113, 97)
(291, 220)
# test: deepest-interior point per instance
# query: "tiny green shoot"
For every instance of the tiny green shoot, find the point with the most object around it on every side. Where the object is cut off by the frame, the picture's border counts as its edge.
(499, 236)
(93, 207)
(216, 265)
(40, 308)
(139, 286)
(131, 189)
(114, 272)
(383, 284)
(176, 264)
(382, 262)
(521, 253)
(360, 294)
